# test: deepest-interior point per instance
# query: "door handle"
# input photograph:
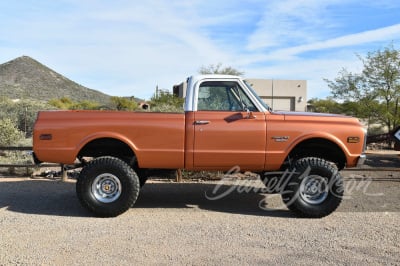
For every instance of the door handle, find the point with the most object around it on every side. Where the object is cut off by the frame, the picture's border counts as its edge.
(201, 122)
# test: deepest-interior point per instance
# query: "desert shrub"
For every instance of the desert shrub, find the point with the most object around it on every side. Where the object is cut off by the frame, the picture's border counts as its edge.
(9, 132)
(165, 101)
(22, 113)
(121, 103)
(166, 108)
(66, 103)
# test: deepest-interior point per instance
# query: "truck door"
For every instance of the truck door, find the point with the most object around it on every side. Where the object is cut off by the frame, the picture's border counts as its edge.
(228, 129)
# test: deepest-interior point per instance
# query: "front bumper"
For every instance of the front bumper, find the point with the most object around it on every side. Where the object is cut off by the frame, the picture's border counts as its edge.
(361, 160)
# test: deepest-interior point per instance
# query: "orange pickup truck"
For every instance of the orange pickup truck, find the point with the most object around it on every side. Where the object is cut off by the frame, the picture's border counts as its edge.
(224, 125)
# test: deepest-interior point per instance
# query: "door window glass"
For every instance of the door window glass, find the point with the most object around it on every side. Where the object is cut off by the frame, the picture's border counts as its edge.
(223, 96)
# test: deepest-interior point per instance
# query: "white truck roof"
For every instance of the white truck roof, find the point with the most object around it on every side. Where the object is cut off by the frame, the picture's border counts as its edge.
(191, 93)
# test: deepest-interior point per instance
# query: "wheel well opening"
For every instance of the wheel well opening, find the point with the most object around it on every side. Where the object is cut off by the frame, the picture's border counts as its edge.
(321, 148)
(107, 147)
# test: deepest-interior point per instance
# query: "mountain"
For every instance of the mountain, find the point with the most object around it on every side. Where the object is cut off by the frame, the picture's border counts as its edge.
(26, 78)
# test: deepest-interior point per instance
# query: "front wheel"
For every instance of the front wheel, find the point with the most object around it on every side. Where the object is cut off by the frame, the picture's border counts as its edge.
(315, 188)
(107, 186)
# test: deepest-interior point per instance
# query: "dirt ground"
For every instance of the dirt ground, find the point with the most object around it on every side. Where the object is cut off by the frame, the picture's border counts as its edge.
(42, 223)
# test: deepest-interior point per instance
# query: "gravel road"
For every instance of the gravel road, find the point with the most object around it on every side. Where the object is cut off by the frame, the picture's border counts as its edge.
(42, 222)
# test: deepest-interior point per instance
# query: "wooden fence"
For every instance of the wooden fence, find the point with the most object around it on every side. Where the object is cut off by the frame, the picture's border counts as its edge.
(16, 149)
(63, 170)
(30, 165)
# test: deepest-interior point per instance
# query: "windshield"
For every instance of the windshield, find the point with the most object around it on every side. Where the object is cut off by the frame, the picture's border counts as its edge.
(258, 97)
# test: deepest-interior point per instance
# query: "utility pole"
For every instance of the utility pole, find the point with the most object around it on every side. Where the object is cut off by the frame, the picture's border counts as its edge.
(25, 120)
(156, 91)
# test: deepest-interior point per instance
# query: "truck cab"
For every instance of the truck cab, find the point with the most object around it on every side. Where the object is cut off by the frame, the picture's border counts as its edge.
(228, 121)
(232, 123)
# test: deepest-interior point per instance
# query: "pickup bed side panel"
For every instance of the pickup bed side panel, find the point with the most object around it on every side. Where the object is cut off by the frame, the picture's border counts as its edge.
(157, 139)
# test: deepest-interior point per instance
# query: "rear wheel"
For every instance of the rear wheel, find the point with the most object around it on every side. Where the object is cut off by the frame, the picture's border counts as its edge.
(107, 186)
(141, 173)
(315, 188)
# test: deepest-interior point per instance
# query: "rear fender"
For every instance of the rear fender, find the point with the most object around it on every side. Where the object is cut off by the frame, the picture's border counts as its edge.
(106, 134)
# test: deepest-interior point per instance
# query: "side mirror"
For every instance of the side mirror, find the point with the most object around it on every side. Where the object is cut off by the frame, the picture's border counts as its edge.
(250, 114)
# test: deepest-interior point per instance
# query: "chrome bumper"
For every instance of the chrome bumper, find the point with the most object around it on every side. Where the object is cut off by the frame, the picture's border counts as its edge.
(361, 160)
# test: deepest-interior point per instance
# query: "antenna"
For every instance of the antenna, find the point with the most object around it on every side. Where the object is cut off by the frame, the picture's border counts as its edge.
(272, 98)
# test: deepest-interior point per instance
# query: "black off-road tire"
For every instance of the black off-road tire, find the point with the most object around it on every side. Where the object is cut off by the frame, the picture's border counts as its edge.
(315, 188)
(107, 186)
(141, 173)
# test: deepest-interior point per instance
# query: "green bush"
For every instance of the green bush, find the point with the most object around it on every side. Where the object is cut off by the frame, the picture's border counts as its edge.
(123, 104)
(165, 101)
(22, 113)
(9, 133)
(66, 103)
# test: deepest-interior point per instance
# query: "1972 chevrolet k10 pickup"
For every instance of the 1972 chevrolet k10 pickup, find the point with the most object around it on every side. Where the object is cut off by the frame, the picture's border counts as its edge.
(224, 125)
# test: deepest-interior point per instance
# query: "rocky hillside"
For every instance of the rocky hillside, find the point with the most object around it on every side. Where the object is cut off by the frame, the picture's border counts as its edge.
(26, 78)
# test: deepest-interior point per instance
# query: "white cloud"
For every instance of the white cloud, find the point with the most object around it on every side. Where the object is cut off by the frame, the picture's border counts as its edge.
(288, 22)
(314, 71)
(371, 36)
(127, 48)
(124, 49)
(293, 23)
(383, 35)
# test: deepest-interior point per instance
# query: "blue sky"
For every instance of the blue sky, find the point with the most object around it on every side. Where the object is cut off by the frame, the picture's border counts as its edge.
(127, 48)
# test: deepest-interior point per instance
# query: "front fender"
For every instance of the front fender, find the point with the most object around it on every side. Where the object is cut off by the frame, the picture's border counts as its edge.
(318, 135)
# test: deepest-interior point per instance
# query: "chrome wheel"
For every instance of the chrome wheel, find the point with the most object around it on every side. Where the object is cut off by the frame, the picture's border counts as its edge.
(106, 188)
(314, 189)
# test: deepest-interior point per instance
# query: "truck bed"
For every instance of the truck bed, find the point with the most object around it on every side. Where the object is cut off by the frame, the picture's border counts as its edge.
(156, 138)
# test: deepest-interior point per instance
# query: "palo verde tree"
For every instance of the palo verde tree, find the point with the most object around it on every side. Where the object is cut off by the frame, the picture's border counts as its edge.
(374, 93)
(358, 97)
(382, 74)
(218, 69)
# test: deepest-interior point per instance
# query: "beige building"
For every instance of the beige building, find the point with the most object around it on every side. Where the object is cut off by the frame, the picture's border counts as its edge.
(282, 95)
